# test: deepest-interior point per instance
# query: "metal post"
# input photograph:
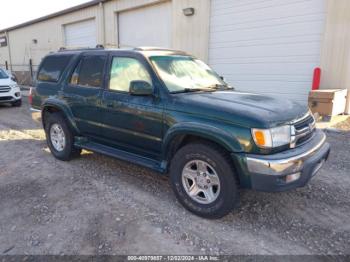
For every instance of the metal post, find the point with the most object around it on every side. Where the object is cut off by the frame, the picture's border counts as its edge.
(9, 49)
(6, 65)
(31, 69)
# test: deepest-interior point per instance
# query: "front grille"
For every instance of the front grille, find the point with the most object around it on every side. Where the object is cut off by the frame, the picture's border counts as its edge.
(305, 138)
(4, 89)
(304, 123)
(303, 130)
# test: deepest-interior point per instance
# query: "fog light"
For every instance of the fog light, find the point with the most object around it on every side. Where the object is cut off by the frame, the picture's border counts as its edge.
(17, 94)
(292, 177)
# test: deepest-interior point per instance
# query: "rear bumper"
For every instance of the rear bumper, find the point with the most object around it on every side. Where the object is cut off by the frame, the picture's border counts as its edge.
(290, 169)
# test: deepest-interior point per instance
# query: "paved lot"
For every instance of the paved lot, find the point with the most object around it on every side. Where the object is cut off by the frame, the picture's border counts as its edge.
(99, 205)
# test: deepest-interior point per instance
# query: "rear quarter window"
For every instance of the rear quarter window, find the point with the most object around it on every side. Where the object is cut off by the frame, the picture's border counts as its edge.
(52, 68)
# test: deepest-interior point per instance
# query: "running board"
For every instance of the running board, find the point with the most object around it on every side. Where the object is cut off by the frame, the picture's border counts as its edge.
(122, 155)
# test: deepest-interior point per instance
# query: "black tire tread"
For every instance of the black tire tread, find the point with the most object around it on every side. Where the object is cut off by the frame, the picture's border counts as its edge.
(224, 158)
(71, 151)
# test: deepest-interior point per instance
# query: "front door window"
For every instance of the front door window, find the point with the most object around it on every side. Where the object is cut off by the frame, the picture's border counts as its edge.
(124, 70)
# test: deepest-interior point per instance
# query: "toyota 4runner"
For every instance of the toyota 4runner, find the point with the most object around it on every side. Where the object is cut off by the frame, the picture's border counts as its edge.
(170, 112)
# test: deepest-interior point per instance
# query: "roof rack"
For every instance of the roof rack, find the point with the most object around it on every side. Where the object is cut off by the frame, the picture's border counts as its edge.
(64, 49)
(150, 48)
(101, 47)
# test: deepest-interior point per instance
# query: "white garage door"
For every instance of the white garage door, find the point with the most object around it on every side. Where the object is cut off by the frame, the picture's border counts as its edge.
(81, 34)
(268, 47)
(148, 26)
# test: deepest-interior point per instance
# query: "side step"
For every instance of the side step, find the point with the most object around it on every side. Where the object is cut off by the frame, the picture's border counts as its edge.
(122, 155)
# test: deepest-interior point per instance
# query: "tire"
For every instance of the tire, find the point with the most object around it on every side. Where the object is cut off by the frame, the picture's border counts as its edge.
(18, 103)
(56, 121)
(213, 159)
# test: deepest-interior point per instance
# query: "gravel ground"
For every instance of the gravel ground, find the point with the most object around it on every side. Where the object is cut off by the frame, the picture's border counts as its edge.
(345, 125)
(99, 205)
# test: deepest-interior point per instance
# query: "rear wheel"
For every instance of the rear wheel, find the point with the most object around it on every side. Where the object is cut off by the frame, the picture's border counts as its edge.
(59, 137)
(203, 180)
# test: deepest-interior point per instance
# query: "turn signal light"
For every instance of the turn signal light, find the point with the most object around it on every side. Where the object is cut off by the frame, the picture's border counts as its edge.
(260, 138)
(273, 137)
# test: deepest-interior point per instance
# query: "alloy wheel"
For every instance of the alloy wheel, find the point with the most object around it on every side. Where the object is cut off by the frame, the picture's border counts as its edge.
(201, 182)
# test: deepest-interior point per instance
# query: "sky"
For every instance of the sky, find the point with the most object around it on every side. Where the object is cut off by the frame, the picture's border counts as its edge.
(14, 12)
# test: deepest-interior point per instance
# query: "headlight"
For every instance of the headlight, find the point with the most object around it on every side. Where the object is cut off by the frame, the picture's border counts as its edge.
(14, 86)
(273, 137)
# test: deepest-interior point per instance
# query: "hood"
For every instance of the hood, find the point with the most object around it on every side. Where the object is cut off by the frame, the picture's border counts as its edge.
(245, 109)
(6, 82)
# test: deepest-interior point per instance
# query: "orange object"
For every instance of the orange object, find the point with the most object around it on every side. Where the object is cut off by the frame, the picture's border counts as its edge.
(260, 138)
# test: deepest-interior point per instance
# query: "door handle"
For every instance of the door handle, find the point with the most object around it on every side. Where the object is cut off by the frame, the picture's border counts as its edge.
(110, 104)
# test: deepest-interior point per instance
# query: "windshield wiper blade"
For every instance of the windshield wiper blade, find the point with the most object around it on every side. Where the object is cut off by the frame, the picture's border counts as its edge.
(189, 90)
(221, 87)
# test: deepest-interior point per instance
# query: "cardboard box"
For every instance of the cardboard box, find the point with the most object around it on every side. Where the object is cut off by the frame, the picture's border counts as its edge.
(347, 108)
(328, 102)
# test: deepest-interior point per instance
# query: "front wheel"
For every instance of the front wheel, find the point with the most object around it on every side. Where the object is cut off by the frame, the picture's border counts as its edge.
(203, 180)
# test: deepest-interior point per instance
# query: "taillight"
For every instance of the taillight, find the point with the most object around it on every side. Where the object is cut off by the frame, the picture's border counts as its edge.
(30, 97)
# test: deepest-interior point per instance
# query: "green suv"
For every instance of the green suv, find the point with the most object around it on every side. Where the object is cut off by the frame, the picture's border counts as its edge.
(170, 112)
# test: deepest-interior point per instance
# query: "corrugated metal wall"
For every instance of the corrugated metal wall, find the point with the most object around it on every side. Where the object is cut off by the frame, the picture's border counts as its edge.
(36, 40)
(269, 47)
(335, 59)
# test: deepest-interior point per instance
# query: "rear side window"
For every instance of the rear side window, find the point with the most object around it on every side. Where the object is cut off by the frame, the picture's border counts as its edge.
(89, 71)
(52, 68)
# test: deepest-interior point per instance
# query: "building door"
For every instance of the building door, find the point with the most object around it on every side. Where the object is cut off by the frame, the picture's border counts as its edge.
(147, 26)
(81, 34)
(269, 47)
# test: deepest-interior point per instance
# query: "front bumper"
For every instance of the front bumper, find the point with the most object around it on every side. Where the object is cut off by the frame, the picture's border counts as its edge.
(272, 172)
(13, 95)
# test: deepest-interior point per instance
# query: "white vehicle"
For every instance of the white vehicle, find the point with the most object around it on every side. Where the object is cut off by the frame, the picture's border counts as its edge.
(9, 90)
(11, 75)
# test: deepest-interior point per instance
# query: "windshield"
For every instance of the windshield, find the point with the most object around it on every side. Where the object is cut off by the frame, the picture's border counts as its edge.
(3, 74)
(184, 73)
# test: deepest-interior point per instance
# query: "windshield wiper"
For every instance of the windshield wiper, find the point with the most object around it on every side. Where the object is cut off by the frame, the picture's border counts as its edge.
(189, 90)
(211, 88)
(221, 87)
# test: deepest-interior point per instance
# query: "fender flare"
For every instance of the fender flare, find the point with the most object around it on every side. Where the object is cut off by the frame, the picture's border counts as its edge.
(217, 135)
(62, 107)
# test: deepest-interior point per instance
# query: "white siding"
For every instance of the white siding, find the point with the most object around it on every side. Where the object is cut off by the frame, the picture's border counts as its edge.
(268, 47)
(148, 26)
(81, 34)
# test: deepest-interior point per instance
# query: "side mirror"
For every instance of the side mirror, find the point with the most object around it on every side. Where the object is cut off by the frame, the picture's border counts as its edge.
(13, 78)
(141, 88)
(222, 78)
